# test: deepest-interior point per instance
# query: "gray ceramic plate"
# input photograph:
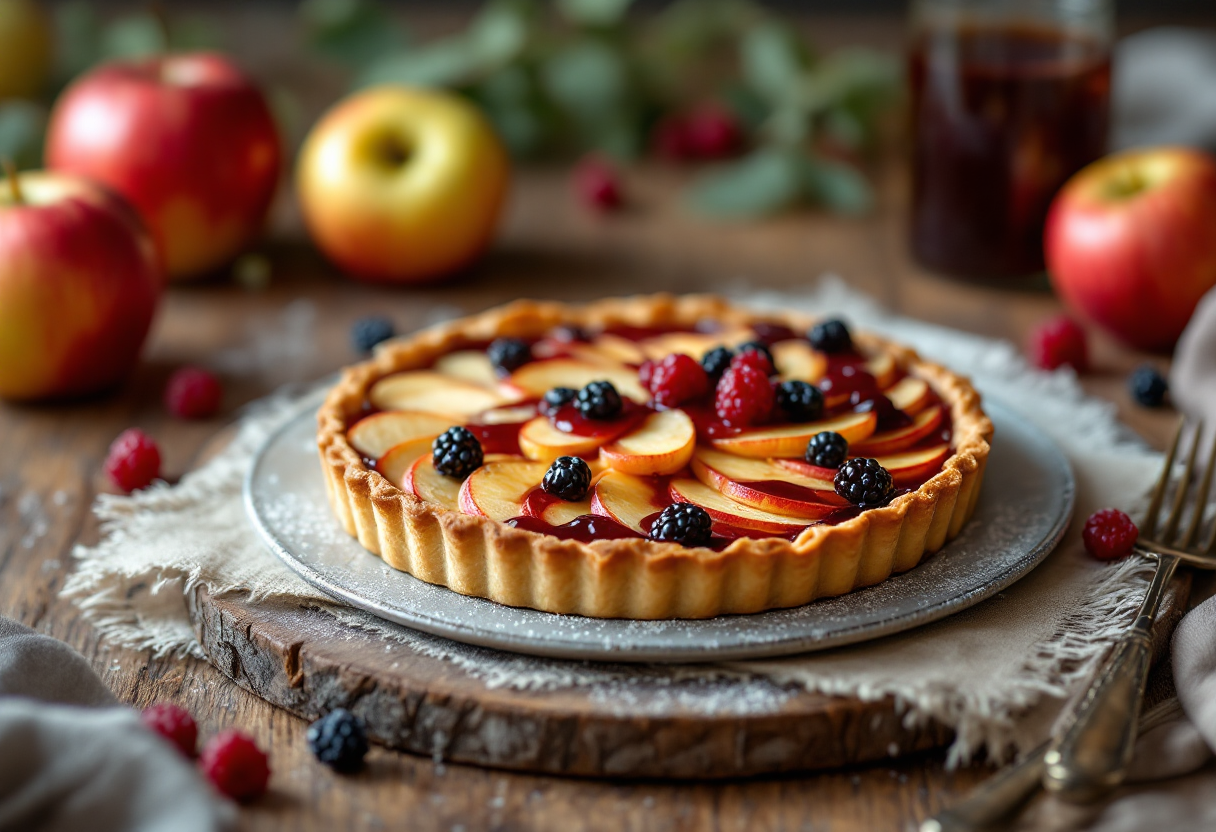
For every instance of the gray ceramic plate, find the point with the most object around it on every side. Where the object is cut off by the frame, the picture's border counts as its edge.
(1025, 507)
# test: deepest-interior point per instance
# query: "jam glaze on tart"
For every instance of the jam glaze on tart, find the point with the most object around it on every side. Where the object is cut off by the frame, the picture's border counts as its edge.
(781, 534)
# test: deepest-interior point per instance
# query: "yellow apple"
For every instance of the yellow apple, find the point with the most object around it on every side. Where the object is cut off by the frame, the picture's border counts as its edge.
(25, 49)
(402, 185)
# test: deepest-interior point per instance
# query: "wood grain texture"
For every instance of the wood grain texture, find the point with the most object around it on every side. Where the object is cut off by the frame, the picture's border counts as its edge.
(50, 458)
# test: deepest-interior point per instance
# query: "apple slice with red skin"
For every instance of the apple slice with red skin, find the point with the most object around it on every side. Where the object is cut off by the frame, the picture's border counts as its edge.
(497, 489)
(742, 480)
(560, 513)
(396, 462)
(725, 510)
(539, 440)
(374, 435)
(882, 367)
(432, 392)
(472, 366)
(910, 394)
(539, 377)
(510, 414)
(798, 361)
(428, 485)
(662, 444)
(914, 467)
(626, 499)
(891, 441)
(790, 440)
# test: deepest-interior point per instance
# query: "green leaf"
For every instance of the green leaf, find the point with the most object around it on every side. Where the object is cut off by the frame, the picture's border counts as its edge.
(763, 183)
(500, 32)
(352, 32)
(77, 45)
(22, 124)
(838, 187)
(594, 12)
(774, 60)
(587, 78)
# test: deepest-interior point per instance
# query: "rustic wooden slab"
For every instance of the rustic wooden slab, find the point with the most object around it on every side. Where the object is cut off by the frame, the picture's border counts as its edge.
(307, 662)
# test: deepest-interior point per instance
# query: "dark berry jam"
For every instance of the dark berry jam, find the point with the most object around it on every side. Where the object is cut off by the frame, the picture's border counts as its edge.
(584, 529)
(498, 439)
(567, 419)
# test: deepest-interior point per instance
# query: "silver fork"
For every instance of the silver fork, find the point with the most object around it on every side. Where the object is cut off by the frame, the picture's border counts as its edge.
(1092, 755)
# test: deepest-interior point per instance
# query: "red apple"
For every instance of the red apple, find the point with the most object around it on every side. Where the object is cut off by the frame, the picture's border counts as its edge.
(1131, 242)
(79, 283)
(188, 139)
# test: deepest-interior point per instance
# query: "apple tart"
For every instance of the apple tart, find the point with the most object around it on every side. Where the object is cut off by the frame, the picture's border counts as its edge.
(651, 457)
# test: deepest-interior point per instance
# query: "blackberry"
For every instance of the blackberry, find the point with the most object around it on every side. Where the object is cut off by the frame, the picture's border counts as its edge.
(799, 401)
(1148, 386)
(567, 478)
(827, 449)
(864, 483)
(716, 361)
(830, 336)
(508, 354)
(557, 398)
(683, 523)
(457, 453)
(598, 400)
(760, 347)
(339, 740)
(366, 333)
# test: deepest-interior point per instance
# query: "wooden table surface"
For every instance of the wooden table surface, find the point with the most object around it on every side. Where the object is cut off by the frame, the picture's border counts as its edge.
(296, 329)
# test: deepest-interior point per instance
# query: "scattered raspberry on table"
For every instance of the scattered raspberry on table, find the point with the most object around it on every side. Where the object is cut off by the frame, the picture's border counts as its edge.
(175, 724)
(193, 393)
(597, 184)
(236, 766)
(1109, 534)
(1057, 342)
(133, 461)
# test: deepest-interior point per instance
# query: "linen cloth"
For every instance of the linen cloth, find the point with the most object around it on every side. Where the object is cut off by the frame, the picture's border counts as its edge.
(981, 671)
(72, 759)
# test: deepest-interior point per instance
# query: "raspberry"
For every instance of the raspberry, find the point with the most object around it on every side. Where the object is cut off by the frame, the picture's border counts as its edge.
(598, 400)
(646, 371)
(831, 336)
(799, 401)
(235, 766)
(557, 398)
(133, 461)
(1109, 534)
(864, 483)
(456, 453)
(827, 449)
(339, 740)
(676, 379)
(597, 184)
(683, 523)
(1147, 386)
(757, 346)
(568, 478)
(175, 724)
(716, 361)
(712, 132)
(508, 354)
(1057, 342)
(193, 393)
(744, 395)
(366, 333)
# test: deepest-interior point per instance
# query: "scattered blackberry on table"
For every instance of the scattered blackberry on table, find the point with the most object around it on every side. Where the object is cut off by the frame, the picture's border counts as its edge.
(133, 460)
(598, 400)
(193, 393)
(568, 478)
(508, 354)
(1147, 386)
(1109, 534)
(762, 348)
(864, 483)
(676, 379)
(683, 523)
(174, 723)
(716, 361)
(457, 453)
(339, 740)
(799, 401)
(1057, 342)
(557, 398)
(827, 449)
(830, 336)
(235, 766)
(366, 333)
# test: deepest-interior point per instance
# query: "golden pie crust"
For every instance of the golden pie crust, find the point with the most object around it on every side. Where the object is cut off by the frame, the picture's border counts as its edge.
(638, 578)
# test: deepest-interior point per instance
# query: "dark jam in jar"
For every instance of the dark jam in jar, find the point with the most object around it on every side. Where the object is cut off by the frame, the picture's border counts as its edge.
(1002, 116)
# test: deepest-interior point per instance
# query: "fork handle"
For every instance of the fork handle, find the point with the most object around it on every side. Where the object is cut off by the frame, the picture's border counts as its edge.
(1092, 755)
(994, 799)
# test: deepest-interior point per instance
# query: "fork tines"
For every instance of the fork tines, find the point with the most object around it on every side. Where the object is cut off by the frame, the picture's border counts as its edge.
(1196, 507)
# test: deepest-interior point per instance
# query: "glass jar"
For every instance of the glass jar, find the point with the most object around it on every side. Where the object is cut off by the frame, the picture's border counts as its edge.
(1009, 99)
